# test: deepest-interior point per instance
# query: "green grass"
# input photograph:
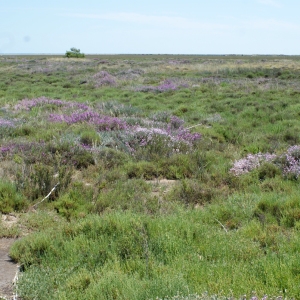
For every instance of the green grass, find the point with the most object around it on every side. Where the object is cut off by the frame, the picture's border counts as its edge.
(112, 229)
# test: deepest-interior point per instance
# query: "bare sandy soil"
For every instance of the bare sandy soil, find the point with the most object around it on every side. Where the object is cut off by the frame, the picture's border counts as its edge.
(8, 269)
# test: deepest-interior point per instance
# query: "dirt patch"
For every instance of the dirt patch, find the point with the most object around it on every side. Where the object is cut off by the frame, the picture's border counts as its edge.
(9, 220)
(8, 269)
(161, 186)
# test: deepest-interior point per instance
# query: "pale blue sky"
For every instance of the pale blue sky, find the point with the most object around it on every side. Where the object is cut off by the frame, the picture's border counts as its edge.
(153, 26)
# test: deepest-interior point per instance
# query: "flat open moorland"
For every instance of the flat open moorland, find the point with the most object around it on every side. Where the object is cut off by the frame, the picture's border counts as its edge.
(151, 176)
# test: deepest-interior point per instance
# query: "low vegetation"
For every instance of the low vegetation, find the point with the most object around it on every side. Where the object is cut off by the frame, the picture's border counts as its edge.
(74, 52)
(176, 177)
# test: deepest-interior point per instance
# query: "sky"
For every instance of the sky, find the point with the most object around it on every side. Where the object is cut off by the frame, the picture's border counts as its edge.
(150, 27)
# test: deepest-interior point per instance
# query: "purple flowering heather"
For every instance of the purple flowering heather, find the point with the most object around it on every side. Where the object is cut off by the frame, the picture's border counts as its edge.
(185, 135)
(102, 123)
(175, 123)
(294, 151)
(108, 123)
(292, 161)
(251, 162)
(24, 149)
(5, 150)
(292, 167)
(103, 78)
(288, 162)
(6, 123)
(175, 139)
(167, 85)
(169, 133)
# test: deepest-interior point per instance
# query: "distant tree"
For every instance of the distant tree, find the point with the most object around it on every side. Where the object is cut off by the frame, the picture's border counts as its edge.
(74, 52)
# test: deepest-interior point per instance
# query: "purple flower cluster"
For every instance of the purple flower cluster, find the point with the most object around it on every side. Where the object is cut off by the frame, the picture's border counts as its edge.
(6, 123)
(175, 123)
(288, 162)
(167, 85)
(292, 162)
(102, 123)
(5, 150)
(107, 123)
(251, 162)
(103, 78)
(187, 136)
(25, 149)
(130, 134)
(174, 136)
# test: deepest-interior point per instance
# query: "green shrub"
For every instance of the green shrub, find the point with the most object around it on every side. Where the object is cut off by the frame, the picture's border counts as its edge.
(192, 192)
(143, 169)
(283, 211)
(37, 180)
(82, 159)
(180, 166)
(73, 52)
(10, 199)
(112, 158)
(131, 195)
(77, 202)
(268, 170)
(90, 138)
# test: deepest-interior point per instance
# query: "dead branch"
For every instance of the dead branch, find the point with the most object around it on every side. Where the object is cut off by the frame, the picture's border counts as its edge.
(222, 225)
(46, 196)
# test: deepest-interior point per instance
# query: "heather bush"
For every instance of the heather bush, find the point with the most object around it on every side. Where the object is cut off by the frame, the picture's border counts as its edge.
(178, 166)
(82, 158)
(44, 102)
(270, 164)
(103, 78)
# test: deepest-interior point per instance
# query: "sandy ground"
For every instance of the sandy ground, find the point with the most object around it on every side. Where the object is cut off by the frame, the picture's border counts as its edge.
(8, 269)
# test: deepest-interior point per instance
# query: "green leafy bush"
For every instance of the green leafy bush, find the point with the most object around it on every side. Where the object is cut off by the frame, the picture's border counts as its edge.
(90, 138)
(10, 199)
(74, 52)
(192, 192)
(76, 202)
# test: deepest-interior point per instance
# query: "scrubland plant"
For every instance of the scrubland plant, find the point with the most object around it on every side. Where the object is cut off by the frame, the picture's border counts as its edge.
(10, 199)
(133, 255)
(270, 164)
(103, 78)
(74, 52)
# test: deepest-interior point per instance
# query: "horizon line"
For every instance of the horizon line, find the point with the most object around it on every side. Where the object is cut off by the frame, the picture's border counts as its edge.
(224, 54)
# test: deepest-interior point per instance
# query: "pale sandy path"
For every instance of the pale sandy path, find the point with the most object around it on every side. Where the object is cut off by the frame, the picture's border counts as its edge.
(7, 269)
